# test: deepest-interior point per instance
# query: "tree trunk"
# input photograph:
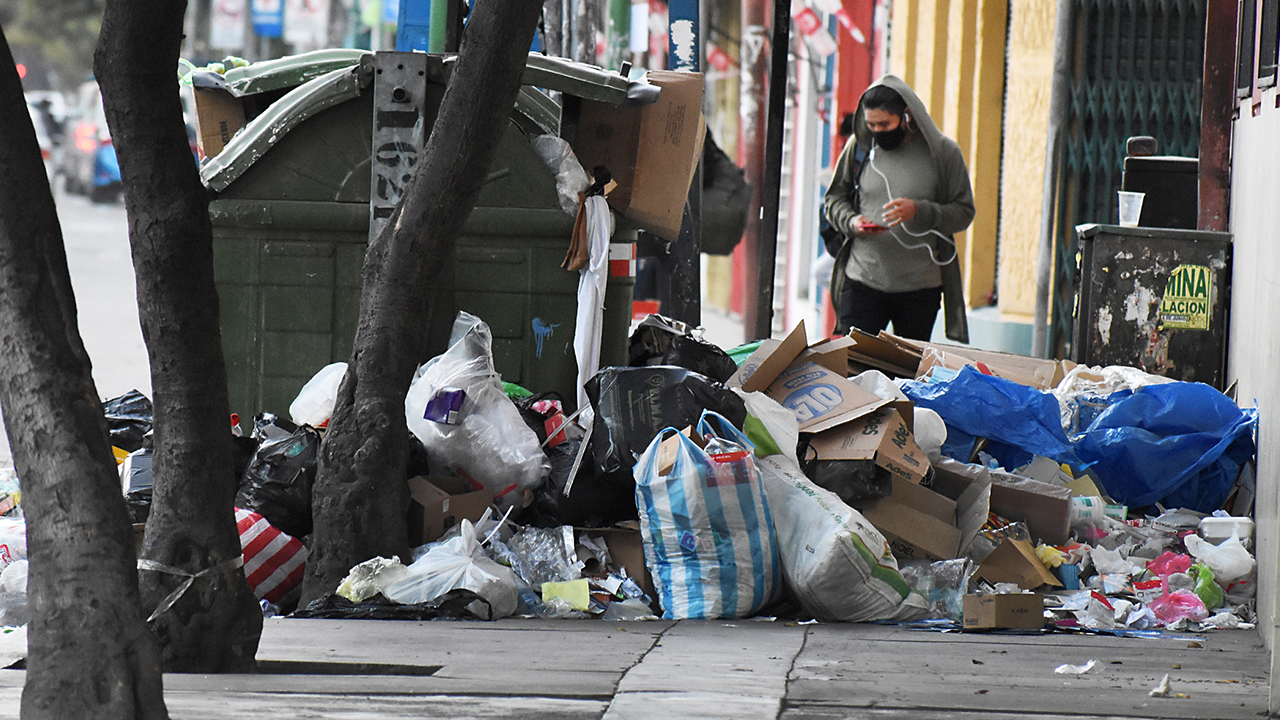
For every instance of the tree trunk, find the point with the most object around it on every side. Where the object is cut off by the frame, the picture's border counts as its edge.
(215, 624)
(360, 495)
(89, 652)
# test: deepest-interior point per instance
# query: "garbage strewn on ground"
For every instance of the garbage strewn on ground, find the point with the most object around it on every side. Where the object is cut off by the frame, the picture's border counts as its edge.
(832, 481)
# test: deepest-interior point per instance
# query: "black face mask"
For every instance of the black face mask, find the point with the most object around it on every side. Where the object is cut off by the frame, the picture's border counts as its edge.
(890, 139)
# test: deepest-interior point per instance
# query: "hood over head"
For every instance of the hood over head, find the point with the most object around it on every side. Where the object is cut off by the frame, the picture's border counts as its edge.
(915, 107)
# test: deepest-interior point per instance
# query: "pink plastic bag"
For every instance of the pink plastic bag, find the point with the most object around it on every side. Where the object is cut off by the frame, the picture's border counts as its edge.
(1171, 607)
(1169, 563)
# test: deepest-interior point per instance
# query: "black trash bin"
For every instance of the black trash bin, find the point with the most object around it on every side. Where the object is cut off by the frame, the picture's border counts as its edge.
(1156, 299)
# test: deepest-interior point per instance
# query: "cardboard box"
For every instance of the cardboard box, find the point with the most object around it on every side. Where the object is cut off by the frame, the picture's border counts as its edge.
(1015, 561)
(1045, 508)
(970, 487)
(1012, 610)
(626, 549)
(219, 116)
(918, 522)
(652, 151)
(882, 436)
(439, 503)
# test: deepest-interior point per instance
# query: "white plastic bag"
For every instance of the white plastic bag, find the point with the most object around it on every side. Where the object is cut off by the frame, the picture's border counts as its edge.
(490, 443)
(458, 563)
(839, 566)
(314, 404)
(1229, 561)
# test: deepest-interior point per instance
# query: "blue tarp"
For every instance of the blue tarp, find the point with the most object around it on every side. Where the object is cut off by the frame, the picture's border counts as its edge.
(1178, 444)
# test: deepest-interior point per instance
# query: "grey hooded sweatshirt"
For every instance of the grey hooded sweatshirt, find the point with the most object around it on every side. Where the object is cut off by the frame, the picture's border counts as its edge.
(949, 210)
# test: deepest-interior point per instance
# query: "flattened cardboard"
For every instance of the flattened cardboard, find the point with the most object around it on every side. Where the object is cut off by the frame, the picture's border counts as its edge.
(219, 116)
(918, 522)
(883, 354)
(1005, 611)
(820, 398)
(1033, 372)
(1015, 561)
(441, 502)
(831, 354)
(769, 360)
(882, 436)
(651, 151)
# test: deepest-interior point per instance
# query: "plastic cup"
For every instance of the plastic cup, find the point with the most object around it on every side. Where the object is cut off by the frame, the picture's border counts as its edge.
(1130, 208)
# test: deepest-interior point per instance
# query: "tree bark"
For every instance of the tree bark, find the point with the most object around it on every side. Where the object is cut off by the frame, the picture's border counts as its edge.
(89, 651)
(215, 624)
(360, 495)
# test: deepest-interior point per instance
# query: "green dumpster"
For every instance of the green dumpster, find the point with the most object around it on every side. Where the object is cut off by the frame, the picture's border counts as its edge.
(291, 218)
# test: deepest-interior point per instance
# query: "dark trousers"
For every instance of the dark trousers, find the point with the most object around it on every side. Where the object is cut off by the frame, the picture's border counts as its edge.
(912, 313)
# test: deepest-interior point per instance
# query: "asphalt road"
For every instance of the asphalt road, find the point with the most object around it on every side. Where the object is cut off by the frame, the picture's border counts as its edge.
(97, 243)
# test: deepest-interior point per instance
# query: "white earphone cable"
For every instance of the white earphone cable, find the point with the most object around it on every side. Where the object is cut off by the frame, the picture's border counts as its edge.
(871, 162)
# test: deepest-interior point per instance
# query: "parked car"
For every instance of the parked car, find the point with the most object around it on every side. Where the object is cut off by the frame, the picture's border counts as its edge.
(45, 138)
(89, 163)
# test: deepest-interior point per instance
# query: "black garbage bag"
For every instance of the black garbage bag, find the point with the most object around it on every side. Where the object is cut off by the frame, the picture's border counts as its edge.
(136, 480)
(659, 340)
(128, 419)
(632, 405)
(594, 499)
(453, 605)
(277, 483)
(856, 482)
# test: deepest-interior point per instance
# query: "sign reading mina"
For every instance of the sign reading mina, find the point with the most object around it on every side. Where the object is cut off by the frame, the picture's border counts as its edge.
(1186, 298)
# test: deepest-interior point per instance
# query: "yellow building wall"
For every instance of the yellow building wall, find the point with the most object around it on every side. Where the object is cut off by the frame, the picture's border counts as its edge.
(951, 52)
(1030, 85)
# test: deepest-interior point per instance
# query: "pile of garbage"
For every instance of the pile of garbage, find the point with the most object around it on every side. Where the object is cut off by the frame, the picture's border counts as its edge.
(862, 478)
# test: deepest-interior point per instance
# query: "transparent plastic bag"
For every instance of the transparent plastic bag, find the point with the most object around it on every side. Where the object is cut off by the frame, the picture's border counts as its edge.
(540, 555)
(490, 442)
(571, 178)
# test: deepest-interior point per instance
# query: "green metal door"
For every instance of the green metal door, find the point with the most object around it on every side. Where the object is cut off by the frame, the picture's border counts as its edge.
(1136, 70)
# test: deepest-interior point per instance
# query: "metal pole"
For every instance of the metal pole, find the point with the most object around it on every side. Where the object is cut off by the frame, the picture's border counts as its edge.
(1052, 171)
(681, 266)
(780, 47)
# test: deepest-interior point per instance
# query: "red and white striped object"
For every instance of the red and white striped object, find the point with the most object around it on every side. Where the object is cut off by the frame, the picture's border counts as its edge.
(622, 259)
(273, 561)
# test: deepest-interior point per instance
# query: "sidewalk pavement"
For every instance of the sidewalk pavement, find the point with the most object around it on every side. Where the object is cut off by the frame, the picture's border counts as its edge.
(744, 670)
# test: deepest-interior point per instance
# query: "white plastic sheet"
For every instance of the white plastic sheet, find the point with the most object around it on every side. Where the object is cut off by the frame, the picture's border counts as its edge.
(591, 286)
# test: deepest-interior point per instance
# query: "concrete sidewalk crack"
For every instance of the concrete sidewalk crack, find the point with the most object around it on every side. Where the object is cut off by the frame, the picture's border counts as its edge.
(786, 683)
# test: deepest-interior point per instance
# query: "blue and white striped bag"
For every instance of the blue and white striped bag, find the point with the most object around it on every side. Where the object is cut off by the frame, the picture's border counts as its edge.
(708, 535)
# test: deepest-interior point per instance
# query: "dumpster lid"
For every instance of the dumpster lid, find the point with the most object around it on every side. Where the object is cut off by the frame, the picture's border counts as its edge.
(1088, 231)
(265, 130)
(291, 71)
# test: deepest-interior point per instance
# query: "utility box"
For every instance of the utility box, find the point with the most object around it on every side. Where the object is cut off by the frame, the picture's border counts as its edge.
(291, 214)
(1156, 299)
